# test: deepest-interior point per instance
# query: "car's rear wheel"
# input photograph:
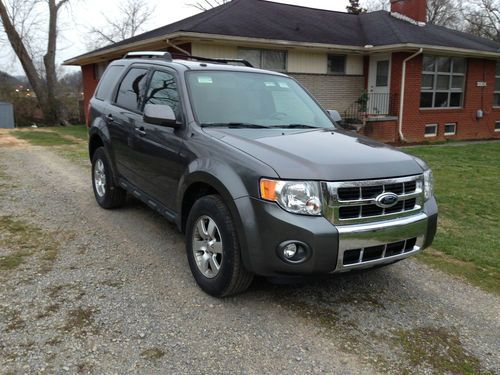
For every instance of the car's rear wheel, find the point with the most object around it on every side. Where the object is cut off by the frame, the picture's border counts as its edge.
(106, 193)
(213, 249)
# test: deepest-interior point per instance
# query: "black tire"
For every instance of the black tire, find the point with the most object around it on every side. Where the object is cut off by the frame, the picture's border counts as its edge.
(113, 196)
(232, 278)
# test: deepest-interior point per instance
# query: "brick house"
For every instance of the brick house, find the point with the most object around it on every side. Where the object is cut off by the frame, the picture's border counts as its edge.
(402, 79)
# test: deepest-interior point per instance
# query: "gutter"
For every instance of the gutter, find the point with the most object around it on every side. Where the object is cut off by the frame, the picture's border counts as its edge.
(402, 94)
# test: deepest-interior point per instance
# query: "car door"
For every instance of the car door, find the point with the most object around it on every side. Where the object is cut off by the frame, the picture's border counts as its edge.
(125, 114)
(157, 147)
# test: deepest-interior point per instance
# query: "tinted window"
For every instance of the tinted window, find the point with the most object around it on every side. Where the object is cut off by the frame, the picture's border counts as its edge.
(252, 98)
(163, 90)
(108, 82)
(132, 89)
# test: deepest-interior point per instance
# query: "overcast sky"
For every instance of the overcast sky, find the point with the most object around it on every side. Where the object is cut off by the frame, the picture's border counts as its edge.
(86, 13)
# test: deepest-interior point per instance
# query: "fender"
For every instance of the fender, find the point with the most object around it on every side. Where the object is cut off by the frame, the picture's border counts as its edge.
(100, 130)
(222, 178)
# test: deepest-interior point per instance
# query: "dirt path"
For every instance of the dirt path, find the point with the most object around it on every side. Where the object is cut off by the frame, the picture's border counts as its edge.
(119, 298)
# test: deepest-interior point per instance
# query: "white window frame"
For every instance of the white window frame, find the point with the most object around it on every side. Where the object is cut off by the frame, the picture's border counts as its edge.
(496, 124)
(344, 71)
(431, 135)
(497, 78)
(261, 51)
(450, 90)
(454, 124)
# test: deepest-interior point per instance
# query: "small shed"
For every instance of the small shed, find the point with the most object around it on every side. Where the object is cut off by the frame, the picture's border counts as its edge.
(6, 116)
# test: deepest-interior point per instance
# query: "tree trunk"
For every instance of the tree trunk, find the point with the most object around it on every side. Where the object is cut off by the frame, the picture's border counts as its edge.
(45, 90)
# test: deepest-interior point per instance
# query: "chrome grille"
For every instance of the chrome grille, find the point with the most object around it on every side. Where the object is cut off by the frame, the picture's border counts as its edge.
(353, 202)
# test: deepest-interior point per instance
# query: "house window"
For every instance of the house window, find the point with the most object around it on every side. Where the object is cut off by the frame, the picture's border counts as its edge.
(336, 64)
(496, 94)
(382, 78)
(431, 130)
(450, 129)
(497, 126)
(443, 80)
(265, 58)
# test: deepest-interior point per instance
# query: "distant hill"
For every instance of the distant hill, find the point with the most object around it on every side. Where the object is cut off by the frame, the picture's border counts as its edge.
(7, 79)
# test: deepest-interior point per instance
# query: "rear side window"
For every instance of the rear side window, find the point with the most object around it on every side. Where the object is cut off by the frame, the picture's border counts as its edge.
(132, 89)
(108, 82)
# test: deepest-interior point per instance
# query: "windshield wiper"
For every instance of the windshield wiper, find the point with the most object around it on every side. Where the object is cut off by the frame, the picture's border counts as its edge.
(235, 125)
(296, 126)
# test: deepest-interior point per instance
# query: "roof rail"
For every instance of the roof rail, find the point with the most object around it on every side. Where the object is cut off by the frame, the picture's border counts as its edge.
(149, 55)
(213, 60)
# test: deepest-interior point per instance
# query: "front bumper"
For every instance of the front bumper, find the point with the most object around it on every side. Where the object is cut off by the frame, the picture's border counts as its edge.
(264, 225)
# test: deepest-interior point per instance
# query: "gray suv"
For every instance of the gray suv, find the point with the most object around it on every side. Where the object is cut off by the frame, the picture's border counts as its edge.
(256, 174)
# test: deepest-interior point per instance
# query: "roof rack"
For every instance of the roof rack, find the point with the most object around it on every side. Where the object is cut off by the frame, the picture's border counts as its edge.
(213, 60)
(149, 55)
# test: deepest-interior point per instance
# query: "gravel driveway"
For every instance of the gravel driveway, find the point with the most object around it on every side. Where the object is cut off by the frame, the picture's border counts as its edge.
(110, 292)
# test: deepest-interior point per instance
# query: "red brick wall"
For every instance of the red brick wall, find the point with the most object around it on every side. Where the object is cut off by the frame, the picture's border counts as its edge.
(89, 84)
(468, 127)
(383, 131)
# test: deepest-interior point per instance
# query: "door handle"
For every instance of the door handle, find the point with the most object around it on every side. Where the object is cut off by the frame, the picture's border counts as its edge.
(109, 118)
(140, 131)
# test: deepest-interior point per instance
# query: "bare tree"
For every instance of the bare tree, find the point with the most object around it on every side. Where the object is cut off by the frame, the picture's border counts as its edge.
(19, 18)
(208, 4)
(444, 13)
(482, 18)
(374, 5)
(133, 15)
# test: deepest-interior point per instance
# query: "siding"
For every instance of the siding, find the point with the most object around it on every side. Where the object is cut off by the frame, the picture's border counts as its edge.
(332, 91)
(299, 61)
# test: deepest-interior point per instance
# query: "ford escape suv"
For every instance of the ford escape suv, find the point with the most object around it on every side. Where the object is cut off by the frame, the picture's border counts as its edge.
(255, 173)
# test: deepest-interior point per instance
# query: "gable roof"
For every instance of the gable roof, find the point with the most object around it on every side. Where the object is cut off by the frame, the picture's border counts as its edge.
(259, 19)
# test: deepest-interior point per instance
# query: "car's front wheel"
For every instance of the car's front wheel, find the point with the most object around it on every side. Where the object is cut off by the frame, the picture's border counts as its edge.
(213, 249)
(106, 193)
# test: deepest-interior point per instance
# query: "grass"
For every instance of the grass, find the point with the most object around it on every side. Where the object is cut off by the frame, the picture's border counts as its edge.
(24, 240)
(467, 186)
(70, 141)
(43, 138)
(439, 349)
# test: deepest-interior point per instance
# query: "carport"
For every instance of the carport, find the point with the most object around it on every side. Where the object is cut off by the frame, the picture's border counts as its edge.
(6, 115)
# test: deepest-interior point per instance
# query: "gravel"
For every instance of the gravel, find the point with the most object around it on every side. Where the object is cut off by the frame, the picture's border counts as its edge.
(119, 298)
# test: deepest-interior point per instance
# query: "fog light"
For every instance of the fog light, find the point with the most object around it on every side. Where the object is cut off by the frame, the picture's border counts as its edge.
(293, 252)
(290, 250)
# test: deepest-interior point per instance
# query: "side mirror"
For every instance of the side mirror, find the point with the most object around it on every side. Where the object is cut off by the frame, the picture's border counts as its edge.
(335, 115)
(160, 114)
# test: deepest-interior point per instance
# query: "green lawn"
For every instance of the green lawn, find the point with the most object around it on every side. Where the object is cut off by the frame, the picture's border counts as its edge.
(467, 186)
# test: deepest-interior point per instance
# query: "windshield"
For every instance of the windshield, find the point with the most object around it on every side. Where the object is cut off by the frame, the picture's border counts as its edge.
(252, 99)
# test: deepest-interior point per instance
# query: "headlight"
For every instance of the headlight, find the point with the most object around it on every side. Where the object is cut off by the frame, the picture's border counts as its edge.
(428, 184)
(298, 197)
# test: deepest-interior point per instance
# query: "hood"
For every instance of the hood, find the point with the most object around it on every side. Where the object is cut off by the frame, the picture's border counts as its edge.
(319, 154)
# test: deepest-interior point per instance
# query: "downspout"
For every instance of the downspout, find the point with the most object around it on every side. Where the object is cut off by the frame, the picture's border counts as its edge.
(402, 95)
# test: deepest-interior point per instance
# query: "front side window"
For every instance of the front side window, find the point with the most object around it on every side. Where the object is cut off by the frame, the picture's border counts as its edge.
(163, 90)
(336, 64)
(496, 95)
(252, 98)
(264, 58)
(131, 89)
(443, 81)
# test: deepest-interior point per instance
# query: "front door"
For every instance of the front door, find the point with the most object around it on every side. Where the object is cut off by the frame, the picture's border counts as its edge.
(378, 85)
(157, 147)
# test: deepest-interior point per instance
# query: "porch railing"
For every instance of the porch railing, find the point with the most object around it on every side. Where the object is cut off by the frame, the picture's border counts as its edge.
(370, 105)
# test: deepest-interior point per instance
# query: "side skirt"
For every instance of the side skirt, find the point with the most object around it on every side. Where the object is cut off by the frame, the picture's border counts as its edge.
(151, 202)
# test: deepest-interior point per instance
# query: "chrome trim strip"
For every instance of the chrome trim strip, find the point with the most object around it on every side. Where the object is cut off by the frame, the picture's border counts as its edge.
(361, 236)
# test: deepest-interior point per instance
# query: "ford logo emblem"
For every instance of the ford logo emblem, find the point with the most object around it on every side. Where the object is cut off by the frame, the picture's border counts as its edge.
(387, 200)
